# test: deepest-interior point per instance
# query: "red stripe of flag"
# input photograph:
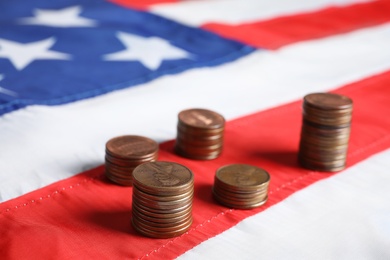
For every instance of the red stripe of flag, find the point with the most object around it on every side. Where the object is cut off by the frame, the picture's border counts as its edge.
(281, 31)
(86, 216)
(141, 4)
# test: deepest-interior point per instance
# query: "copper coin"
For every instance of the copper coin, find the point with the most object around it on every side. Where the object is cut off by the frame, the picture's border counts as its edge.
(169, 225)
(119, 168)
(325, 137)
(163, 205)
(206, 156)
(333, 121)
(165, 193)
(131, 147)
(314, 142)
(200, 132)
(324, 147)
(128, 162)
(322, 157)
(120, 181)
(232, 198)
(242, 176)
(225, 192)
(162, 221)
(335, 149)
(320, 167)
(156, 234)
(171, 210)
(158, 215)
(139, 192)
(199, 140)
(201, 118)
(236, 201)
(326, 113)
(163, 177)
(161, 228)
(198, 150)
(328, 101)
(239, 205)
(325, 131)
(118, 175)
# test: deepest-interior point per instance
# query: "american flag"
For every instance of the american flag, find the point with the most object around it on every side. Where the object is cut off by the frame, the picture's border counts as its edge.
(75, 73)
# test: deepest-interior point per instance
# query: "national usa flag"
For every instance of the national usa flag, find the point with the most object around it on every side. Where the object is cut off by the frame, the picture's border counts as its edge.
(76, 73)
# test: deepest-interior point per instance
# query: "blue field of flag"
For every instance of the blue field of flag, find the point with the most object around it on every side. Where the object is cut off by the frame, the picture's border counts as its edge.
(63, 51)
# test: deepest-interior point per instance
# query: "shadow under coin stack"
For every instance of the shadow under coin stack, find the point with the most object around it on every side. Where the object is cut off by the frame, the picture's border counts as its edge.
(325, 131)
(199, 134)
(124, 153)
(162, 199)
(241, 186)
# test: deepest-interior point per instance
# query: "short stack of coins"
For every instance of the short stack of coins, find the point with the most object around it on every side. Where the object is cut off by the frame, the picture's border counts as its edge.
(199, 134)
(162, 199)
(325, 131)
(241, 186)
(124, 153)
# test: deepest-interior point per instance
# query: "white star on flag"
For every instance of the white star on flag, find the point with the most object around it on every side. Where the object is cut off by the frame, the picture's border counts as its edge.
(66, 17)
(7, 91)
(22, 54)
(149, 51)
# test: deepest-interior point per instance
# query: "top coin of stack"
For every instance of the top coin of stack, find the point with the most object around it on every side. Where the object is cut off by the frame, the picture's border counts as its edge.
(199, 134)
(241, 186)
(124, 153)
(162, 199)
(325, 131)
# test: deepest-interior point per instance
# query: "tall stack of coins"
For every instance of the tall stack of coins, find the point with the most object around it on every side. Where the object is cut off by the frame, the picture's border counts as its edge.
(124, 153)
(241, 186)
(162, 199)
(325, 131)
(199, 134)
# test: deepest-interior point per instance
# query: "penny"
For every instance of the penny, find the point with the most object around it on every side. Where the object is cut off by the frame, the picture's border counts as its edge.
(162, 199)
(163, 177)
(226, 192)
(325, 131)
(242, 176)
(241, 186)
(325, 113)
(158, 228)
(131, 146)
(120, 181)
(201, 118)
(125, 153)
(152, 224)
(199, 150)
(129, 162)
(236, 201)
(208, 156)
(163, 221)
(156, 234)
(198, 141)
(239, 205)
(199, 134)
(328, 101)
(321, 167)
(162, 216)
(163, 210)
(163, 205)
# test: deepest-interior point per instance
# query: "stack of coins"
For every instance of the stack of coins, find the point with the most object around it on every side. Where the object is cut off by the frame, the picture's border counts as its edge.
(124, 153)
(199, 134)
(162, 199)
(325, 131)
(241, 186)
